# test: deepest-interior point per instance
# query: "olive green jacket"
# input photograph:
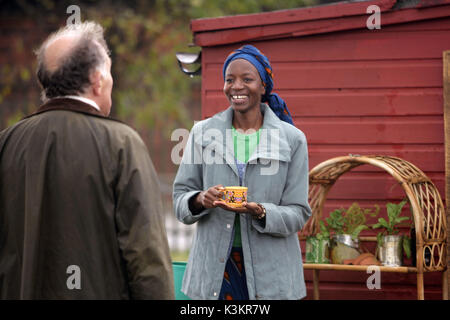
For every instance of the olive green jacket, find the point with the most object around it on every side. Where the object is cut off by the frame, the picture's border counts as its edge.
(80, 209)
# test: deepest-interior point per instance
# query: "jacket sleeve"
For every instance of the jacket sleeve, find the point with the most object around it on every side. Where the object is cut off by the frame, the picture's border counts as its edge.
(140, 224)
(294, 210)
(188, 181)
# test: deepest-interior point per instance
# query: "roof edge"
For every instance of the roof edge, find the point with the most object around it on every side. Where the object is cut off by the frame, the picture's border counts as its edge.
(411, 10)
(326, 11)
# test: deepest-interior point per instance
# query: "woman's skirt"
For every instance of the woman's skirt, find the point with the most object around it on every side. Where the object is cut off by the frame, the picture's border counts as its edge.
(234, 285)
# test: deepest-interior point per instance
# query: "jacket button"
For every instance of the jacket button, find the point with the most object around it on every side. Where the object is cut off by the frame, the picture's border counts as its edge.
(228, 226)
(215, 294)
(222, 260)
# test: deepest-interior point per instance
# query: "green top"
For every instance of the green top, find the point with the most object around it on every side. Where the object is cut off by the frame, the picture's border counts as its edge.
(244, 146)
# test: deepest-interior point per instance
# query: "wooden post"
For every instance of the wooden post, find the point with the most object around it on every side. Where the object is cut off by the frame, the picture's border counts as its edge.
(316, 284)
(446, 90)
(420, 288)
(445, 285)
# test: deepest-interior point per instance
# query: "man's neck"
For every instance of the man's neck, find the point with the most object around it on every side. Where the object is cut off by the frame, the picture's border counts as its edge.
(83, 99)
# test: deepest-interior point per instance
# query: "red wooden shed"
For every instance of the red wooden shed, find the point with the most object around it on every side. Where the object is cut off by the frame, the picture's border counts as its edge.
(351, 90)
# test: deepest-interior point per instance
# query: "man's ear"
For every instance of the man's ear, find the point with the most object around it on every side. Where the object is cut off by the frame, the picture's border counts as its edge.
(96, 82)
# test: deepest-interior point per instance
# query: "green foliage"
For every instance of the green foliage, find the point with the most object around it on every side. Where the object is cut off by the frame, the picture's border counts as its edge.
(207, 8)
(407, 246)
(324, 231)
(391, 226)
(393, 211)
(150, 92)
(16, 117)
(317, 250)
(351, 221)
(356, 217)
(336, 221)
(179, 255)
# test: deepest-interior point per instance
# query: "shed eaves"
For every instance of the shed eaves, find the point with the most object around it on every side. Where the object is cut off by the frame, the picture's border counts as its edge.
(311, 20)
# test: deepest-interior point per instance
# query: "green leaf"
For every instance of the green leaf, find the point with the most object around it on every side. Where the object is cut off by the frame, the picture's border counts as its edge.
(324, 232)
(376, 226)
(394, 210)
(336, 221)
(400, 219)
(393, 213)
(380, 239)
(322, 226)
(357, 230)
(407, 246)
(383, 223)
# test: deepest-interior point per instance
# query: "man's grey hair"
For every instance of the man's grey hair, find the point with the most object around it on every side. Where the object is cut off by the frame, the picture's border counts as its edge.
(71, 76)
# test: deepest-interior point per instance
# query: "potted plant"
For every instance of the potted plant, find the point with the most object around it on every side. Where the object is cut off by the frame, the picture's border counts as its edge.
(318, 246)
(346, 225)
(390, 244)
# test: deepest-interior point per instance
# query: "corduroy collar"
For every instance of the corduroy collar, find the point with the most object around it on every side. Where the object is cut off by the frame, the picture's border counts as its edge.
(68, 104)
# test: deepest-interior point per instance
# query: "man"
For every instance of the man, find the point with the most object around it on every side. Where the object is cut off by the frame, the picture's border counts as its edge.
(80, 207)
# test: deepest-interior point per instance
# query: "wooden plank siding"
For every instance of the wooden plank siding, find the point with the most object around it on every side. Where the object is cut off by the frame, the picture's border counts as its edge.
(358, 91)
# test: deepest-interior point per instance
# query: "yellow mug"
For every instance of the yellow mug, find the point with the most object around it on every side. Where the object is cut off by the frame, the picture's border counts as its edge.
(235, 196)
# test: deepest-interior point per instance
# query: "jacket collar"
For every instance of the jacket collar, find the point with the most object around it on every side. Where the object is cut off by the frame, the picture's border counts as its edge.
(273, 143)
(67, 104)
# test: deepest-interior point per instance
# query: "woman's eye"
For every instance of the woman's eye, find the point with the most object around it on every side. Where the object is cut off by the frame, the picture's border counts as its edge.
(229, 80)
(248, 80)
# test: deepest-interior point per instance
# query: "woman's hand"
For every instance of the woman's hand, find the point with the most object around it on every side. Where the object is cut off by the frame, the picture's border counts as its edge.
(207, 198)
(251, 208)
(212, 198)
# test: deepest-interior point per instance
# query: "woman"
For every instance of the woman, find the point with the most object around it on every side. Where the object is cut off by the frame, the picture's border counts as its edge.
(250, 252)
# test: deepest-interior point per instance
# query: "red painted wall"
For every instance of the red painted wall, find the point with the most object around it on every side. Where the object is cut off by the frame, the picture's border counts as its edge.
(357, 91)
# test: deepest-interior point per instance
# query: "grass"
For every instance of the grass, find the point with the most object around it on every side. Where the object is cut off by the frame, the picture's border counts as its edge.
(179, 255)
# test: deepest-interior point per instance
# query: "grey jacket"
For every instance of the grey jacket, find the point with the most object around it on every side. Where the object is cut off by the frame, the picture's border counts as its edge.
(277, 177)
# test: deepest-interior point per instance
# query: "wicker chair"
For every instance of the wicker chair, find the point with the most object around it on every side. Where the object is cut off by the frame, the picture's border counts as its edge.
(428, 211)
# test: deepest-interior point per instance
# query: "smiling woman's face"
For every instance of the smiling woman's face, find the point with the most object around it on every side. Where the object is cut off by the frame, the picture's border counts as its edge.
(243, 86)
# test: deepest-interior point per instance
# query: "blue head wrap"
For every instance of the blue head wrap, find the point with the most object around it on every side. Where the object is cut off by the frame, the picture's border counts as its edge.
(262, 64)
